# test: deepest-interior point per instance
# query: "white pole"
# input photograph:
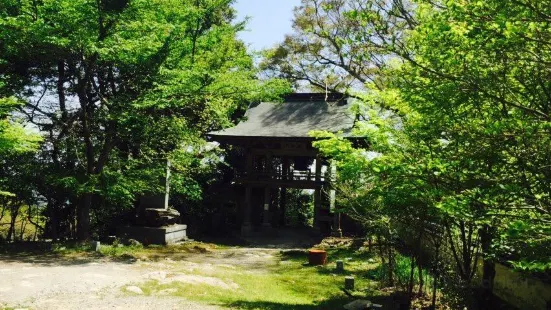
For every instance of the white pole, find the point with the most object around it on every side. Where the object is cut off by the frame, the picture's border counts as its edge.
(167, 183)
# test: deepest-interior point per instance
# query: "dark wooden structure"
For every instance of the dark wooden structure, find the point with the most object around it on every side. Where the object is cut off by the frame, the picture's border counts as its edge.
(278, 154)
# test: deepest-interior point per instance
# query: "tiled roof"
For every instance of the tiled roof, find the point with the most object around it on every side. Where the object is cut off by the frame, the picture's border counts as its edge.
(295, 117)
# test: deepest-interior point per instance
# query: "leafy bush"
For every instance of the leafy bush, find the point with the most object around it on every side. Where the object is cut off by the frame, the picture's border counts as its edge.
(299, 210)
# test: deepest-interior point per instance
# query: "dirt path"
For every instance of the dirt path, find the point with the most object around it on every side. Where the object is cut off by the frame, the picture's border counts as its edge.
(101, 283)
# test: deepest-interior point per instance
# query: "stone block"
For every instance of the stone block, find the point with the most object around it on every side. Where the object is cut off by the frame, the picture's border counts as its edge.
(349, 283)
(339, 266)
(95, 245)
(154, 235)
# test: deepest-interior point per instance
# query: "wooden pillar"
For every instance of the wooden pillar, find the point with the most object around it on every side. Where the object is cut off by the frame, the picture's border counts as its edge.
(317, 192)
(266, 218)
(246, 226)
(282, 206)
(283, 195)
(336, 231)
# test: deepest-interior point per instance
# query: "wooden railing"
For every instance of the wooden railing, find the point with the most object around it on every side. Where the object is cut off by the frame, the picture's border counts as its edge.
(279, 176)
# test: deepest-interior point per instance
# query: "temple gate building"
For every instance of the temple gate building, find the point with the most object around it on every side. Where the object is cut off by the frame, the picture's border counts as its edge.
(277, 154)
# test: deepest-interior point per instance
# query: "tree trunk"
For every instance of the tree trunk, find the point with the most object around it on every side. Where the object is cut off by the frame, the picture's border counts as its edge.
(22, 228)
(54, 221)
(83, 209)
(436, 274)
(369, 242)
(421, 279)
(461, 251)
(382, 250)
(11, 229)
(390, 265)
(14, 210)
(35, 223)
(4, 208)
(488, 264)
(83, 217)
(410, 283)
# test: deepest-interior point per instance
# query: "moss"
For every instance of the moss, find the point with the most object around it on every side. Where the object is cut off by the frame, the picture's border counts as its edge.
(291, 284)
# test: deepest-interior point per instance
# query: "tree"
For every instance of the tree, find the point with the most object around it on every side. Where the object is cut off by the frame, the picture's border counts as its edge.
(467, 140)
(342, 44)
(479, 68)
(15, 142)
(118, 85)
(14, 138)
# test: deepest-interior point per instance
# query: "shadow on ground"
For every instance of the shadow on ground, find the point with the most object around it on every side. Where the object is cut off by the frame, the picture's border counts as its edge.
(42, 253)
(277, 238)
(387, 302)
(49, 254)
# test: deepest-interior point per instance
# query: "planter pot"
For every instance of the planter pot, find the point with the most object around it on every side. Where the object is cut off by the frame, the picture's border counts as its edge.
(317, 257)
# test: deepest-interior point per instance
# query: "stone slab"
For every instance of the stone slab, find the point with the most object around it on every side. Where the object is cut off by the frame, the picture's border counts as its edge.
(359, 304)
(154, 235)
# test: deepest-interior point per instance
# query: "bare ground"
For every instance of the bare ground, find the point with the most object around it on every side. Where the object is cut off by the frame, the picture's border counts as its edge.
(41, 282)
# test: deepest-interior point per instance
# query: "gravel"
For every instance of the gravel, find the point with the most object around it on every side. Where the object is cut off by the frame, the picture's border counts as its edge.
(105, 284)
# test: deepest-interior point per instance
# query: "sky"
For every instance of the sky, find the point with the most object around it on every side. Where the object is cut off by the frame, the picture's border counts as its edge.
(269, 21)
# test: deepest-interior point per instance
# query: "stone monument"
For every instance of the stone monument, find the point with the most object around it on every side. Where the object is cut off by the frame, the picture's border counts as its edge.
(156, 222)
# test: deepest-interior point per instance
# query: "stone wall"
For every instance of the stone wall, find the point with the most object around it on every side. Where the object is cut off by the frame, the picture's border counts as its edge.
(519, 290)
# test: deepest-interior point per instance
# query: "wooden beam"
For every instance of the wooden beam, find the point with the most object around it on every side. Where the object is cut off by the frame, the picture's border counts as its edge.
(282, 183)
(286, 152)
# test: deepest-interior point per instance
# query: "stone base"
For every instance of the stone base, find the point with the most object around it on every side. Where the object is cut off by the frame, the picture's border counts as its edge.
(336, 233)
(154, 235)
(246, 230)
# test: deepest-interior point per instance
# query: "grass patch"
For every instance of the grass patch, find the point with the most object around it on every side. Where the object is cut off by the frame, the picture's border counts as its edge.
(157, 252)
(82, 252)
(290, 285)
(118, 250)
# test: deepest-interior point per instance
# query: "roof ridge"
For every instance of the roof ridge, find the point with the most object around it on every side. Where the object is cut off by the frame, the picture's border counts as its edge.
(323, 97)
